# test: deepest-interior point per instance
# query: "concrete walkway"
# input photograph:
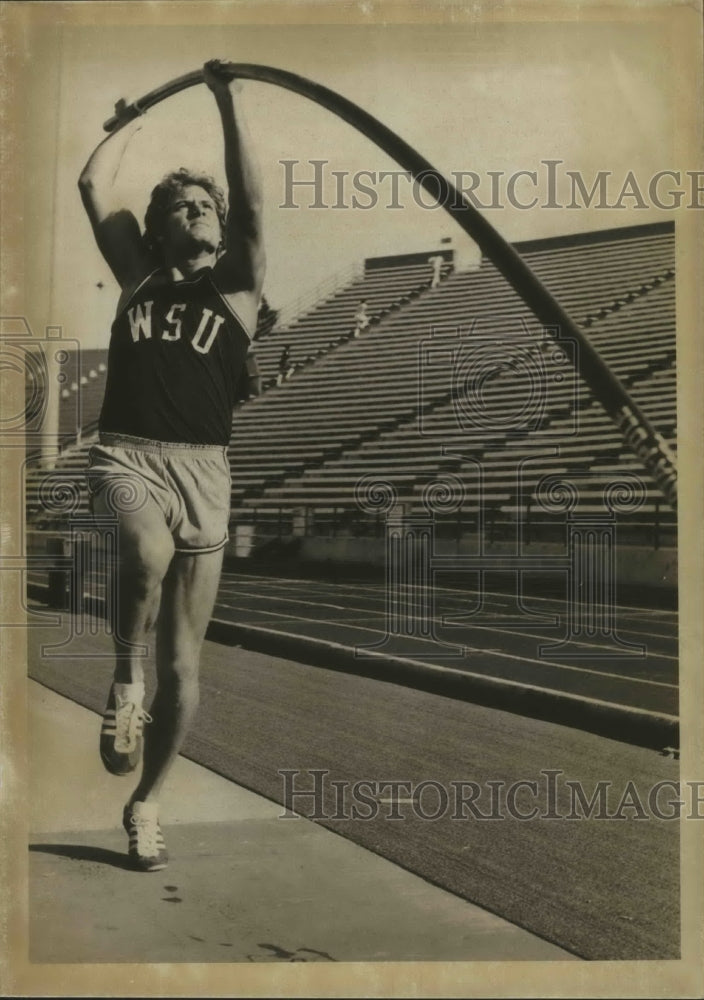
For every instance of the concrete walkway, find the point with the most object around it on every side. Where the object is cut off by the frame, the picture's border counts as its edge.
(243, 884)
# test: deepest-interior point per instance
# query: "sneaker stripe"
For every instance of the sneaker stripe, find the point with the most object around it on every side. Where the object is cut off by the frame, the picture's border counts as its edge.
(122, 730)
(146, 840)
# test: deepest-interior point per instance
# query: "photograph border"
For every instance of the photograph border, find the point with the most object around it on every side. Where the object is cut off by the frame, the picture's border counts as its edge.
(461, 979)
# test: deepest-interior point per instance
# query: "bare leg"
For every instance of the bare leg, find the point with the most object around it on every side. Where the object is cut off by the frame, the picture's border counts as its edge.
(145, 552)
(188, 596)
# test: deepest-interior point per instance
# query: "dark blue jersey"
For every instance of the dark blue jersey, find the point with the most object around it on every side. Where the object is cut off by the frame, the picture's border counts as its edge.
(177, 354)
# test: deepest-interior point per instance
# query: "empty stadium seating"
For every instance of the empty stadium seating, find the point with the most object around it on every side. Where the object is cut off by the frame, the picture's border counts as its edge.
(331, 322)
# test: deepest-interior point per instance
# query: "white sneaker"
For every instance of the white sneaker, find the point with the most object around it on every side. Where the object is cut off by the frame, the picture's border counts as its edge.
(122, 728)
(146, 841)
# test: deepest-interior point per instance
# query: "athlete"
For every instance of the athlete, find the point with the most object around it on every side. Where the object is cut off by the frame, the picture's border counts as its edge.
(191, 286)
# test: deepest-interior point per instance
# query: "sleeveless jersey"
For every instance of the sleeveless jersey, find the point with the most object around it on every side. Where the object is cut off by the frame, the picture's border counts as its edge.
(177, 353)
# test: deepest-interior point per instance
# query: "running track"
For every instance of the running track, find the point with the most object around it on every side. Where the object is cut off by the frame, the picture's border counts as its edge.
(502, 641)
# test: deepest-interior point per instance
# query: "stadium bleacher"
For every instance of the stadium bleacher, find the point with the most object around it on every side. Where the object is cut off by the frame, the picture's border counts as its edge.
(330, 323)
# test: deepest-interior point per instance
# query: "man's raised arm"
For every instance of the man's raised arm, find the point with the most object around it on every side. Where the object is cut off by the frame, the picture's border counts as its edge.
(242, 266)
(115, 227)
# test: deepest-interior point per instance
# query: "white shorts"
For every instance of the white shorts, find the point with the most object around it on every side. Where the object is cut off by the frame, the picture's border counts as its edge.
(190, 483)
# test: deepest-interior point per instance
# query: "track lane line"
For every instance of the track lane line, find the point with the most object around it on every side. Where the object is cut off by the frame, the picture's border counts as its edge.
(439, 621)
(453, 590)
(469, 649)
(459, 674)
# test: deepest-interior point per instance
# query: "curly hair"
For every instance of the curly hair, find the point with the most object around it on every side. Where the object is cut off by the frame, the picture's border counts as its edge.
(163, 195)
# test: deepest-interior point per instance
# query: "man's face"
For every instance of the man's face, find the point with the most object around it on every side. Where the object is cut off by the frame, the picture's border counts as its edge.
(191, 222)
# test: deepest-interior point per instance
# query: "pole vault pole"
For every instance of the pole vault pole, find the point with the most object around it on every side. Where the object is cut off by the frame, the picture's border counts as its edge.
(638, 433)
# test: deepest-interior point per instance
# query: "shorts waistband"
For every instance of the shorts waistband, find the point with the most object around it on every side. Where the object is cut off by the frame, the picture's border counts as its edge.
(158, 447)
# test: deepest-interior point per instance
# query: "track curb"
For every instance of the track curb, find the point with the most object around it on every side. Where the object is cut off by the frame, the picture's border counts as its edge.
(619, 722)
(624, 723)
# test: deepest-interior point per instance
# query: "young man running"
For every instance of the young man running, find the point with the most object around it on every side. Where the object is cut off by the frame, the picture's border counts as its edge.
(187, 313)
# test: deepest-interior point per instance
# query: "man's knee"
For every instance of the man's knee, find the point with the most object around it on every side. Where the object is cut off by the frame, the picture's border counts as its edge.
(144, 560)
(179, 677)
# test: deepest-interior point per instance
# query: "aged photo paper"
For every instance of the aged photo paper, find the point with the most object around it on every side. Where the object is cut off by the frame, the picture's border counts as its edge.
(449, 739)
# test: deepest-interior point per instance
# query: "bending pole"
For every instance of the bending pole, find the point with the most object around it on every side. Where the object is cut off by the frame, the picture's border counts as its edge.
(638, 433)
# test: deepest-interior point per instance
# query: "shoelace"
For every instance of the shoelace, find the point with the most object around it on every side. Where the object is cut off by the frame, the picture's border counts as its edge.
(147, 836)
(127, 719)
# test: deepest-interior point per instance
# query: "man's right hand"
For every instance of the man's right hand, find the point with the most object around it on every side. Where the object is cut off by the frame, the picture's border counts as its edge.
(217, 77)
